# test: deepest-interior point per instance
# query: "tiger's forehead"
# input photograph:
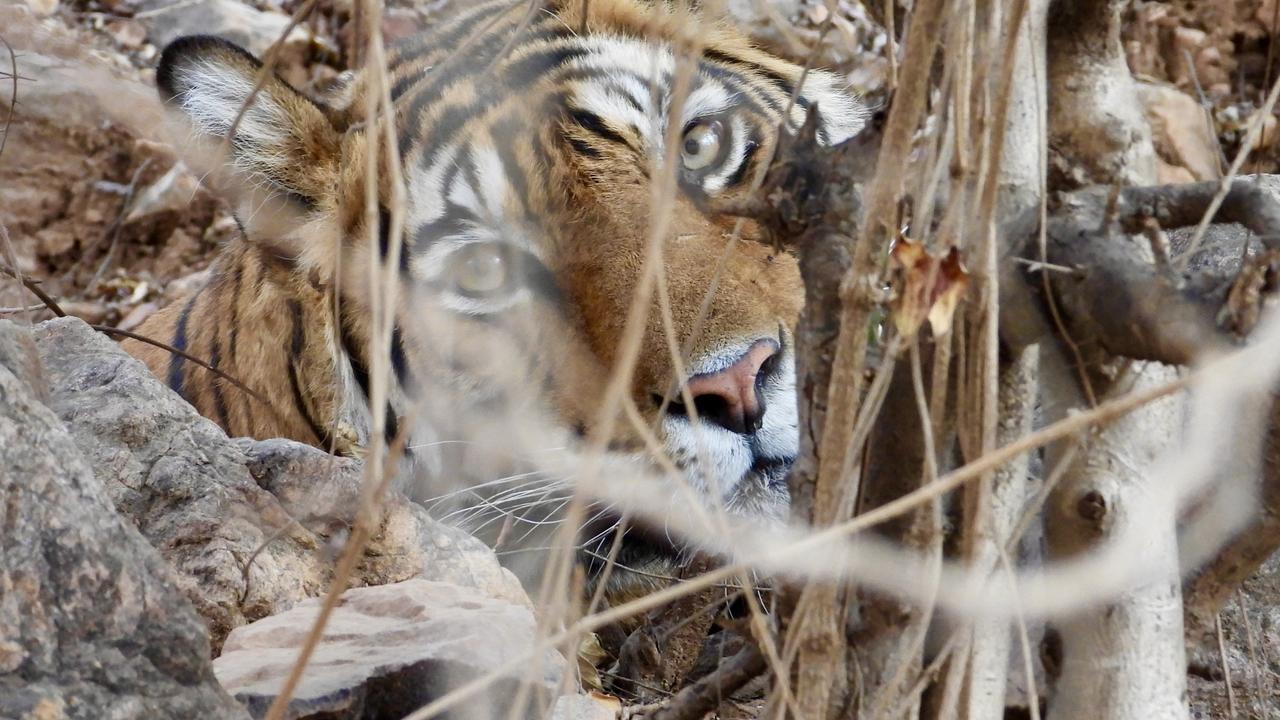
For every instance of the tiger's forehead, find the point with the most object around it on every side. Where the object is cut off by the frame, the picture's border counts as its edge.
(465, 183)
(491, 108)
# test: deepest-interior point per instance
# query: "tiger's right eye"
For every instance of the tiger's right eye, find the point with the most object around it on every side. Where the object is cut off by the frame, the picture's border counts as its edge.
(480, 269)
(701, 144)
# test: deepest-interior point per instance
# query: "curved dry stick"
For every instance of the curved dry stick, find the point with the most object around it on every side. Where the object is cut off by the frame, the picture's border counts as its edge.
(1068, 426)
(108, 330)
(704, 696)
(35, 289)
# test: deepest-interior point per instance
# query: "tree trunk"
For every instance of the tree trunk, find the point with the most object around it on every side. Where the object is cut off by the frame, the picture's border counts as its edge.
(1125, 659)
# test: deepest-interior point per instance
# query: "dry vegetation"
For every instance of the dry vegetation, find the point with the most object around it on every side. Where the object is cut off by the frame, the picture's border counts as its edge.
(1039, 454)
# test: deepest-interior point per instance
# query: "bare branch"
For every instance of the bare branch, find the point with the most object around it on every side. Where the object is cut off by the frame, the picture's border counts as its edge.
(703, 696)
(1124, 302)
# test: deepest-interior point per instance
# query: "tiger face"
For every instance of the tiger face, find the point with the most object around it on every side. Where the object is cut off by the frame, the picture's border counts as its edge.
(546, 157)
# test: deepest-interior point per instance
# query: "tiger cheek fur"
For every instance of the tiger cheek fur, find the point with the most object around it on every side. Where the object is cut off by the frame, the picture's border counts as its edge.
(529, 164)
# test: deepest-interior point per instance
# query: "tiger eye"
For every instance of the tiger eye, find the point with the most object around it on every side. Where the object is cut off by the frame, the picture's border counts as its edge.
(701, 144)
(479, 269)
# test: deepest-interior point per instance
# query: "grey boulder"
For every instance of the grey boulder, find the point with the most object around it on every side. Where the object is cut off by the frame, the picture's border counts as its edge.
(386, 651)
(251, 527)
(91, 624)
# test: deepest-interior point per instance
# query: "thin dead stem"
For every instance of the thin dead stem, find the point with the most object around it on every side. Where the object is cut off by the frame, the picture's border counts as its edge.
(384, 288)
(1104, 413)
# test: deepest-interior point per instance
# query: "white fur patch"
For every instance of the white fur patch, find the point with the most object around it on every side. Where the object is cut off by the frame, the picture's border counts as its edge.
(843, 115)
(212, 97)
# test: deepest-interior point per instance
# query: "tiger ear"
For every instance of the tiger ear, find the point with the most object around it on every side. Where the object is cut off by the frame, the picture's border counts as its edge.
(842, 114)
(284, 150)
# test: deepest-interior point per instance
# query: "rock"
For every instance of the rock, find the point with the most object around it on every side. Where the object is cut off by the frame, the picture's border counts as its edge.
(170, 193)
(207, 502)
(180, 481)
(43, 8)
(593, 706)
(388, 650)
(316, 487)
(1184, 138)
(19, 356)
(91, 624)
(129, 33)
(240, 23)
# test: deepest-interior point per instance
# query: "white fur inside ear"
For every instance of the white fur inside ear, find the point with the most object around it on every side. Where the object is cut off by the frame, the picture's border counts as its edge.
(843, 115)
(212, 96)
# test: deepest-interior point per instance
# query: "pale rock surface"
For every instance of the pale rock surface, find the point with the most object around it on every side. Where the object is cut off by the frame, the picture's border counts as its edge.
(1185, 141)
(388, 650)
(92, 625)
(238, 22)
(317, 488)
(43, 8)
(207, 502)
(595, 706)
(176, 477)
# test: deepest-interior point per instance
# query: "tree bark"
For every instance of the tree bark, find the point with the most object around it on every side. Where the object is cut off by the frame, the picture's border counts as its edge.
(1125, 659)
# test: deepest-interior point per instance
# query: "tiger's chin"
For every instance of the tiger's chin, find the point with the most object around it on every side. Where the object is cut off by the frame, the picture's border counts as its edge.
(636, 557)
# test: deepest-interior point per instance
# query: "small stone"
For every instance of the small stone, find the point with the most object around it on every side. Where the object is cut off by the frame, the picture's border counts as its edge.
(170, 193)
(254, 30)
(1181, 132)
(43, 8)
(137, 316)
(388, 650)
(128, 32)
(592, 706)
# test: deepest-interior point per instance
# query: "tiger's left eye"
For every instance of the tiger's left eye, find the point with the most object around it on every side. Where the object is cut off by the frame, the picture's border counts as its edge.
(479, 269)
(701, 144)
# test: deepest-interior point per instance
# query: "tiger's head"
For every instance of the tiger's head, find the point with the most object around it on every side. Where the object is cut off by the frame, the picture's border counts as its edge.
(546, 158)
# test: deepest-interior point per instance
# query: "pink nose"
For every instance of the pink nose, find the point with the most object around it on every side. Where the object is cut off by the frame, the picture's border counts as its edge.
(731, 397)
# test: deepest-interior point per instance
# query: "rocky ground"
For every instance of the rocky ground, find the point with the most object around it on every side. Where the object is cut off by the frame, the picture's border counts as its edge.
(149, 539)
(142, 543)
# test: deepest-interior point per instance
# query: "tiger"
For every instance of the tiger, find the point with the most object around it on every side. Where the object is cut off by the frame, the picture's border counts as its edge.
(530, 138)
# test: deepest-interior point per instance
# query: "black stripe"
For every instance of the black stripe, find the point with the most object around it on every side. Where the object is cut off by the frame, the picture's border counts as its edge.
(519, 75)
(748, 89)
(177, 362)
(454, 222)
(504, 132)
(413, 48)
(215, 386)
(541, 153)
(596, 125)
(779, 81)
(619, 91)
(384, 242)
(236, 279)
(740, 174)
(523, 72)
(355, 355)
(494, 89)
(392, 428)
(298, 338)
(360, 370)
(583, 147)
(399, 363)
